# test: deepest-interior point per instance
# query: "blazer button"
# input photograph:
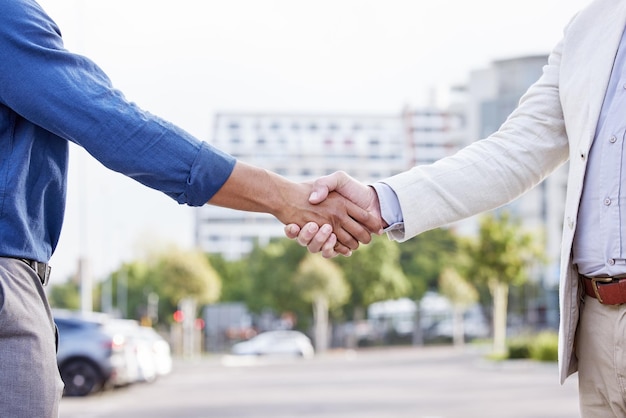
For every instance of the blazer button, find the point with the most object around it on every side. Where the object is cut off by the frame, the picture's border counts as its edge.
(570, 223)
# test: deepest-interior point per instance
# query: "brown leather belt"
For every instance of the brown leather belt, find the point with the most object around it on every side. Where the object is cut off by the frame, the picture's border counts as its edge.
(608, 290)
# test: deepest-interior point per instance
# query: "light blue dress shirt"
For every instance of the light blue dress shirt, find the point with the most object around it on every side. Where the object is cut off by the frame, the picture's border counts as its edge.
(390, 209)
(599, 241)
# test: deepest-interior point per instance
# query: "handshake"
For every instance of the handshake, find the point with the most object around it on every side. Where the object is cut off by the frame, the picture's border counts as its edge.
(333, 214)
(350, 211)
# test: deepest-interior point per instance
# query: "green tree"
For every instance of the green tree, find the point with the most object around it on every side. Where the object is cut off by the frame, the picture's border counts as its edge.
(270, 269)
(500, 257)
(424, 257)
(237, 283)
(159, 283)
(374, 274)
(462, 295)
(127, 290)
(321, 282)
(65, 295)
(181, 275)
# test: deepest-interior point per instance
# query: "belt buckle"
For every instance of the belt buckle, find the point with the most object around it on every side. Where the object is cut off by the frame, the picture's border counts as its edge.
(44, 273)
(42, 269)
(594, 285)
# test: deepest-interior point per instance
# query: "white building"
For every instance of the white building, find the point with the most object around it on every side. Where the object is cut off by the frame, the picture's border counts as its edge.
(305, 146)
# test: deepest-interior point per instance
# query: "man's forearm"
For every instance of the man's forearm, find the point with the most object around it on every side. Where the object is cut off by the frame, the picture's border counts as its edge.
(254, 189)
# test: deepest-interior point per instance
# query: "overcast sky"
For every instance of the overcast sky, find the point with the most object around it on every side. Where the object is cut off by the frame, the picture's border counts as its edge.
(185, 60)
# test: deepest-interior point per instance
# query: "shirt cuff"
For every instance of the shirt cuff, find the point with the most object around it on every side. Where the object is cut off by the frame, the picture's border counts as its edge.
(209, 172)
(390, 209)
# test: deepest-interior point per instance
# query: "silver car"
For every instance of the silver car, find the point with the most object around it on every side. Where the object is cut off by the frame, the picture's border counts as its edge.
(280, 342)
(91, 354)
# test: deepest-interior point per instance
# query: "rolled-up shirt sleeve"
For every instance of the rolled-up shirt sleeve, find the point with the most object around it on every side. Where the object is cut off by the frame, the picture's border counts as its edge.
(70, 96)
(208, 173)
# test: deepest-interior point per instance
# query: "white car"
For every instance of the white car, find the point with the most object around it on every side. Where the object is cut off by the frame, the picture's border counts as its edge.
(160, 349)
(282, 342)
(149, 355)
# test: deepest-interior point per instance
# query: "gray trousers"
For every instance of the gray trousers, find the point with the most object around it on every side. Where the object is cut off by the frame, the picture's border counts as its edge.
(30, 384)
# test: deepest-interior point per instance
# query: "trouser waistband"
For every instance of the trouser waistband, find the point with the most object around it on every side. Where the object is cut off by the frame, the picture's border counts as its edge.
(42, 269)
(608, 290)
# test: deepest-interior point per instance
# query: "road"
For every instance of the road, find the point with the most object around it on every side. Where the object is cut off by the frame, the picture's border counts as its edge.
(435, 382)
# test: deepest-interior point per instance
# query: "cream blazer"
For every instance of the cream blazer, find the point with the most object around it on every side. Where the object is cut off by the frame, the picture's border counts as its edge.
(554, 122)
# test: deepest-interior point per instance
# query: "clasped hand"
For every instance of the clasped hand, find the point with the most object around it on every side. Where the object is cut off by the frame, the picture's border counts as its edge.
(332, 240)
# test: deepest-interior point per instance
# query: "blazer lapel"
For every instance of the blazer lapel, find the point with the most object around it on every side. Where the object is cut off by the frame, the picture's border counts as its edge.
(604, 42)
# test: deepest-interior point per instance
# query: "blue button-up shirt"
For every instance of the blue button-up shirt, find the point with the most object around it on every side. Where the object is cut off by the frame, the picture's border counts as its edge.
(49, 96)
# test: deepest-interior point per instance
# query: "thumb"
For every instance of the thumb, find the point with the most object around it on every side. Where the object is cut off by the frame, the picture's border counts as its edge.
(323, 186)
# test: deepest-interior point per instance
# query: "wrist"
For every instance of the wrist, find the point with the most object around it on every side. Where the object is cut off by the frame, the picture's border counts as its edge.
(285, 198)
(376, 207)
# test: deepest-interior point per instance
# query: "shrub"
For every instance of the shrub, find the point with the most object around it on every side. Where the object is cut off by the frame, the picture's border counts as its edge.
(519, 347)
(541, 347)
(544, 346)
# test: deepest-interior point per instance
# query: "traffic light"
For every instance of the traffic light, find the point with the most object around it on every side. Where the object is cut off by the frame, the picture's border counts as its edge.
(179, 316)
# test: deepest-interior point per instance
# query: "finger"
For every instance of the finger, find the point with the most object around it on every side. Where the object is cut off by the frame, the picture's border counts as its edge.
(368, 220)
(356, 231)
(292, 231)
(307, 233)
(328, 249)
(332, 248)
(323, 235)
(324, 185)
(335, 250)
(346, 239)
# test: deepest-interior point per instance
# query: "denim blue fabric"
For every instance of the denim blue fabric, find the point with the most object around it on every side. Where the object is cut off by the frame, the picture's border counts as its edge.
(50, 96)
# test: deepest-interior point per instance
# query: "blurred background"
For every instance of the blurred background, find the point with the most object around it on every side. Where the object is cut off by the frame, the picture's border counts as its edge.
(305, 89)
(190, 61)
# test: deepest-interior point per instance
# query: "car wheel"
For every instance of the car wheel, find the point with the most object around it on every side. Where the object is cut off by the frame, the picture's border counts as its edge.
(81, 377)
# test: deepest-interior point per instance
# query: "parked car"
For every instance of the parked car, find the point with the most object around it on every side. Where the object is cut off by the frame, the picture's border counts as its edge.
(91, 353)
(138, 355)
(281, 342)
(159, 348)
